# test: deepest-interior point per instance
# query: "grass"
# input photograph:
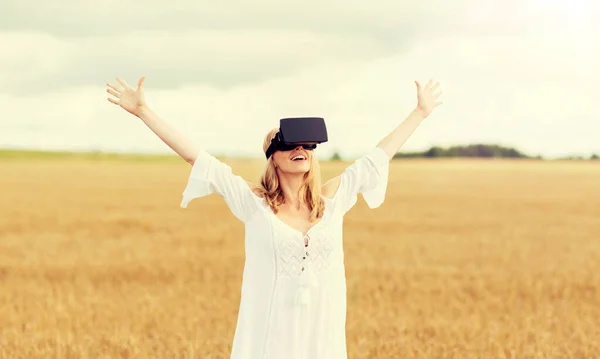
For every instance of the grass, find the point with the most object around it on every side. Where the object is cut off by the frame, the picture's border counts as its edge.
(465, 259)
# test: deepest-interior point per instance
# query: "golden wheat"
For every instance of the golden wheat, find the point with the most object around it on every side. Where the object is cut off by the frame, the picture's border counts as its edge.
(465, 259)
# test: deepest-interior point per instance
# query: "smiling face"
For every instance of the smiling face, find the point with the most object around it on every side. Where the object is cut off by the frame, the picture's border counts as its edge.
(297, 160)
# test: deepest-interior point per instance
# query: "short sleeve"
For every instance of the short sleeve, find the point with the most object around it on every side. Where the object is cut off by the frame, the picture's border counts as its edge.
(209, 175)
(368, 175)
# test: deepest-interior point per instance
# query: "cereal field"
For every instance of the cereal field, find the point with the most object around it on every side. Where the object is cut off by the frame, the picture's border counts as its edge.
(465, 259)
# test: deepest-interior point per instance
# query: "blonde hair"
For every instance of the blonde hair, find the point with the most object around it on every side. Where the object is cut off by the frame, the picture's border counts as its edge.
(310, 191)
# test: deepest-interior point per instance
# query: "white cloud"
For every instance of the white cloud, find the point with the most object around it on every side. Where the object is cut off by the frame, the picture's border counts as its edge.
(223, 59)
(487, 99)
(71, 18)
(512, 74)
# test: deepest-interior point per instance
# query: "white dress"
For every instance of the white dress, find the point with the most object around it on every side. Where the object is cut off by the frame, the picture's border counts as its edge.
(287, 312)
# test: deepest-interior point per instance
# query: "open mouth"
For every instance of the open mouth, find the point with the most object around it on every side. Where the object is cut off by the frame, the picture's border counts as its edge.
(298, 158)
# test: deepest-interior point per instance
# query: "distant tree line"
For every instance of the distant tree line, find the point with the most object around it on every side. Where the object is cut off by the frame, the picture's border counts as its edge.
(593, 157)
(474, 150)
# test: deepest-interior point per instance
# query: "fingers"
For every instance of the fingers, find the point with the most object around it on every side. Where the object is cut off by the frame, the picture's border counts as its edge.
(122, 82)
(419, 86)
(114, 93)
(114, 87)
(430, 86)
(430, 92)
(141, 82)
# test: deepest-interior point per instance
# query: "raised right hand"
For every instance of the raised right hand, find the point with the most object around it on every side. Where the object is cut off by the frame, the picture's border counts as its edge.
(427, 97)
(132, 100)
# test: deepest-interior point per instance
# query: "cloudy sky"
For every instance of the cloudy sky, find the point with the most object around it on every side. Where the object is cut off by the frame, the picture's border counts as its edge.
(516, 73)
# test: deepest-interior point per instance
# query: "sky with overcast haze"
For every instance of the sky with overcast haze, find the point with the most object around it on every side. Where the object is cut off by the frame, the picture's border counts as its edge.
(521, 73)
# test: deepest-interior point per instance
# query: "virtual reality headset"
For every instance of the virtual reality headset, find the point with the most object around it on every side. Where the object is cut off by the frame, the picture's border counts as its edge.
(294, 131)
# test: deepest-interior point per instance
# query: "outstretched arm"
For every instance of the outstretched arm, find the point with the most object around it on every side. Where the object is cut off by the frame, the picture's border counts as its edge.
(169, 135)
(208, 174)
(134, 102)
(427, 100)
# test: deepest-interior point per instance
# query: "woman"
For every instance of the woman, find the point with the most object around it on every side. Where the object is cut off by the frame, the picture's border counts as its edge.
(293, 296)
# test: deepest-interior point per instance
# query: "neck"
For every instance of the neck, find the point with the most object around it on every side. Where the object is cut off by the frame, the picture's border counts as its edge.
(290, 185)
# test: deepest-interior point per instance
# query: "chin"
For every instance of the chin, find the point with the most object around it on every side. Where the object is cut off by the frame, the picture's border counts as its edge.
(295, 167)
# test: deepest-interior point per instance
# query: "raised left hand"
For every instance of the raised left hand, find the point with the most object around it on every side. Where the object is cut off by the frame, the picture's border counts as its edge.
(427, 97)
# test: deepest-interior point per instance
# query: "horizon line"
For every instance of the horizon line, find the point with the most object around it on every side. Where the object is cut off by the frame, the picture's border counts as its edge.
(172, 154)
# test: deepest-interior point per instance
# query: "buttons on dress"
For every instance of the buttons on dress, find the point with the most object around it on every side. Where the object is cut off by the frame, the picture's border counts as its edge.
(306, 240)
